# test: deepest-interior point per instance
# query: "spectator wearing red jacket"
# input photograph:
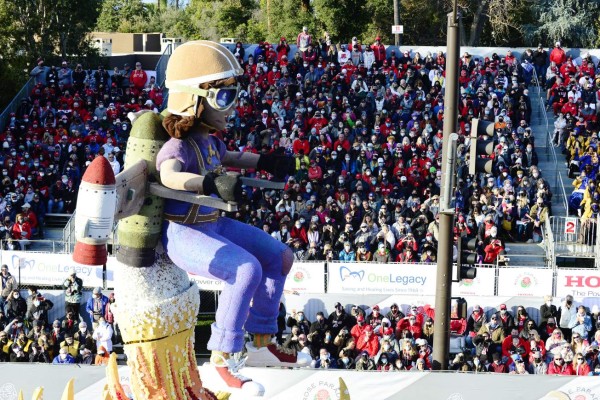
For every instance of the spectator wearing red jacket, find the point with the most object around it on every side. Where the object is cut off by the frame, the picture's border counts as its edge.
(368, 342)
(558, 55)
(139, 78)
(559, 367)
(357, 330)
(580, 367)
(21, 231)
(301, 144)
(30, 217)
(513, 344)
(379, 50)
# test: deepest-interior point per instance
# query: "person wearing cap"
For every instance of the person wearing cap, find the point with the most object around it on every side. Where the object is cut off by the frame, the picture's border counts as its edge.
(8, 283)
(39, 310)
(40, 72)
(65, 75)
(316, 336)
(70, 344)
(304, 39)
(339, 320)
(96, 306)
(519, 367)
(358, 329)
(475, 322)
(73, 290)
(506, 319)
(364, 362)
(368, 341)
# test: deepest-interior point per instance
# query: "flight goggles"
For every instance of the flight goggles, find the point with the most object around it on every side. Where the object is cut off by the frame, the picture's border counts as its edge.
(221, 99)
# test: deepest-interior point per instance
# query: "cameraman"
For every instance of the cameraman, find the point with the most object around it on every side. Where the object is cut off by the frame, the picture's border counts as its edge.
(73, 293)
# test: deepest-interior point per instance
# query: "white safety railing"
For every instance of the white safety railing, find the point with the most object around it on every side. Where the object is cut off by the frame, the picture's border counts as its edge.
(559, 186)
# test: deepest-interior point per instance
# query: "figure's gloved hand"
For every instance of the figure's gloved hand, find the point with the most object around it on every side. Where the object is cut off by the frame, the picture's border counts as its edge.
(227, 187)
(278, 164)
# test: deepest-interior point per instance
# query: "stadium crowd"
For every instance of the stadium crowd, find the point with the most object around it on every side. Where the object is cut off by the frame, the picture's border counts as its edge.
(27, 335)
(365, 127)
(564, 340)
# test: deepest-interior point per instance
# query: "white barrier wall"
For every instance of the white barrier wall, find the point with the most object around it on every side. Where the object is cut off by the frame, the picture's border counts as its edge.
(51, 269)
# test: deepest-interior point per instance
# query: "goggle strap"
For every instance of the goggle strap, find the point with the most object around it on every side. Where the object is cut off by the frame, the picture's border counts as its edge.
(188, 89)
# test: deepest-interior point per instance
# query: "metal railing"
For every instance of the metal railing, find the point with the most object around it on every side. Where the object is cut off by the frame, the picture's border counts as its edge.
(161, 71)
(549, 244)
(14, 104)
(37, 246)
(560, 193)
(69, 232)
(575, 238)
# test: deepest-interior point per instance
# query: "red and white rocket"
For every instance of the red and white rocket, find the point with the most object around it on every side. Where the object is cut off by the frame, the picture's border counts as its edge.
(94, 220)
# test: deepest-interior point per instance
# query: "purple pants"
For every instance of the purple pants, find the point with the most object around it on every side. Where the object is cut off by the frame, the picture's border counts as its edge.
(252, 264)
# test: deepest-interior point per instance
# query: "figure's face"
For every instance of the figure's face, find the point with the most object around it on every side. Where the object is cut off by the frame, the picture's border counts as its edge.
(216, 119)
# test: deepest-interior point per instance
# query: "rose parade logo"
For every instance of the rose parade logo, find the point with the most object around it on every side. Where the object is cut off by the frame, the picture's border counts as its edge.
(298, 276)
(525, 281)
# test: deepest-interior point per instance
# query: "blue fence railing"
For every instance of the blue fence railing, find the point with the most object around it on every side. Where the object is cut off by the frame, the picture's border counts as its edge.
(14, 104)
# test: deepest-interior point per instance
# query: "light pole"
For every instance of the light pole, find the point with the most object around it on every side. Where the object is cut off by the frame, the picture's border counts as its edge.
(441, 338)
(396, 22)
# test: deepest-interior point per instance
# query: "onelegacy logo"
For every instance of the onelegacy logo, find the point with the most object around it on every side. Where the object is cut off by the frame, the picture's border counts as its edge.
(347, 274)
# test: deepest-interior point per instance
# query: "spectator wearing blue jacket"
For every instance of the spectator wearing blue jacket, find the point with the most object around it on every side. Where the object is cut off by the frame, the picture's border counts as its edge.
(96, 306)
(581, 323)
(63, 357)
(347, 254)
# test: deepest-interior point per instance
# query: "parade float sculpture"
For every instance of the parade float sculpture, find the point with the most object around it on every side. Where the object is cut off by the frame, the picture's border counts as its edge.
(167, 201)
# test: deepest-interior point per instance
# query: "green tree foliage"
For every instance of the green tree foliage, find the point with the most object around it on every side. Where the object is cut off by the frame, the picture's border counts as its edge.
(332, 17)
(119, 15)
(53, 29)
(573, 22)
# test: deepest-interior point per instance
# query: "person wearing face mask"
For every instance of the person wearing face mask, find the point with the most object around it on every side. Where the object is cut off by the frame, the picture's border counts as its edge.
(15, 306)
(547, 310)
(347, 254)
(537, 366)
(581, 323)
(96, 306)
(316, 336)
(567, 313)
(39, 310)
(103, 335)
(20, 349)
(494, 247)
(559, 367)
(85, 356)
(63, 357)
(298, 319)
(84, 336)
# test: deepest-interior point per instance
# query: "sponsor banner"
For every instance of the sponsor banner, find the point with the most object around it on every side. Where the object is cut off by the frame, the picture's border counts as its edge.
(308, 277)
(303, 278)
(482, 285)
(524, 282)
(407, 279)
(49, 268)
(578, 283)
